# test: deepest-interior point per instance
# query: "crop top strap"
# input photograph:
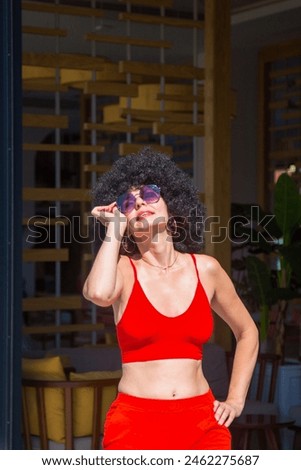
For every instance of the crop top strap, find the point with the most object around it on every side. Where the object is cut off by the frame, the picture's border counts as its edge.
(195, 265)
(134, 268)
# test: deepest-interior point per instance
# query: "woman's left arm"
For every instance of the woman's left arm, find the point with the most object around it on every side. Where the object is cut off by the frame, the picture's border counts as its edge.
(227, 304)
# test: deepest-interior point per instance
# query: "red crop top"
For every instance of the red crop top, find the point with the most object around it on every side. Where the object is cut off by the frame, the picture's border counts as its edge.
(144, 334)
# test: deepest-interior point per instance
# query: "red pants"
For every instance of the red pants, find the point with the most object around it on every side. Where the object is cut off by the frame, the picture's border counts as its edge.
(183, 424)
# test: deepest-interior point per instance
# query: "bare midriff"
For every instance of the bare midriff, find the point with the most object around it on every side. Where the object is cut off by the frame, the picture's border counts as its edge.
(164, 379)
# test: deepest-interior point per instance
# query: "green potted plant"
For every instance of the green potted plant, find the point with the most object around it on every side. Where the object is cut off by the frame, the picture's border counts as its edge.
(273, 262)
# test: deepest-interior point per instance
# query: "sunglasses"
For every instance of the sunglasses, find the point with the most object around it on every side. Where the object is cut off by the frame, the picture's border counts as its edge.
(126, 202)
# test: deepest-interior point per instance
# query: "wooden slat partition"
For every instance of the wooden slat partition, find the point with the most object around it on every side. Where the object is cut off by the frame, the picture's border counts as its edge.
(150, 3)
(178, 129)
(63, 148)
(125, 149)
(104, 38)
(63, 302)
(110, 89)
(62, 9)
(151, 116)
(55, 194)
(116, 127)
(34, 72)
(184, 97)
(73, 61)
(199, 99)
(52, 329)
(45, 254)
(159, 70)
(36, 220)
(185, 165)
(44, 31)
(45, 120)
(101, 168)
(45, 84)
(83, 75)
(168, 21)
(108, 73)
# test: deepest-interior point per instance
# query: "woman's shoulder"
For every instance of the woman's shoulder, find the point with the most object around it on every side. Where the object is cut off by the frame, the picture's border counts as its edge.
(208, 264)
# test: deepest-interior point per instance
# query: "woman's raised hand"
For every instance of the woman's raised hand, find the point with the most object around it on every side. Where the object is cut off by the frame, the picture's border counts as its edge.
(110, 213)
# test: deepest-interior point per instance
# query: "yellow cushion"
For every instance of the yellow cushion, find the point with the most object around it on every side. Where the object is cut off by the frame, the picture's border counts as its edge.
(84, 397)
(65, 360)
(46, 369)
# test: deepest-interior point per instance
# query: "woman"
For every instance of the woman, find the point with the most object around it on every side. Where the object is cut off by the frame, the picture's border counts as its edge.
(162, 291)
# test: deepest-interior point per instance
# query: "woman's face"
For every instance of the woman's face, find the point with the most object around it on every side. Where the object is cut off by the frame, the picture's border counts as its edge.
(144, 208)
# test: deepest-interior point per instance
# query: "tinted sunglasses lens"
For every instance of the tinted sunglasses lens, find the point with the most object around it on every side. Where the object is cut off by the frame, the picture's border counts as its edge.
(126, 203)
(150, 193)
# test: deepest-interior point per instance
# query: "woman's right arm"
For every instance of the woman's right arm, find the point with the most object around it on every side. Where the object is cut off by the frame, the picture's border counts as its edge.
(104, 282)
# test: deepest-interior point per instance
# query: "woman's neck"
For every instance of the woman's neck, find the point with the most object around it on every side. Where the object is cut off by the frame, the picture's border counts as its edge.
(158, 251)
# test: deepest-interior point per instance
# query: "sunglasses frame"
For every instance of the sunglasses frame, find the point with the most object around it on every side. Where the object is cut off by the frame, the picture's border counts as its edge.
(120, 199)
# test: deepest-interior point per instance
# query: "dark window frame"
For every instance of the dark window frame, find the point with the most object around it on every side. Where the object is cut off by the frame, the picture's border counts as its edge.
(11, 224)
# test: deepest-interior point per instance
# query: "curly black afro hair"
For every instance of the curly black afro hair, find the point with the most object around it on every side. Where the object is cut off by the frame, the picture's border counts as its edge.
(181, 197)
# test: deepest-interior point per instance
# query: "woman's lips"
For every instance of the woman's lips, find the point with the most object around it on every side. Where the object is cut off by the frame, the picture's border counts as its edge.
(144, 215)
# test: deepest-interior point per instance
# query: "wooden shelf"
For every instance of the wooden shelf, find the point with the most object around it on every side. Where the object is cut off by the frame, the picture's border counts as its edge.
(44, 31)
(178, 129)
(109, 73)
(115, 127)
(103, 38)
(45, 120)
(110, 89)
(52, 329)
(42, 85)
(34, 72)
(280, 114)
(55, 194)
(158, 20)
(45, 254)
(63, 302)
(97, 168)
(73, 61)
(63, 148)
(62, 9)
(125, 149)
(181, 98)
(36, 221)
(151, 116)
(162, 70)
(150, 3)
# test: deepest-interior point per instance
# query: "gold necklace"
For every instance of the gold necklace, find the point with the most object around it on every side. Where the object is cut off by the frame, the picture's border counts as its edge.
(163, 268)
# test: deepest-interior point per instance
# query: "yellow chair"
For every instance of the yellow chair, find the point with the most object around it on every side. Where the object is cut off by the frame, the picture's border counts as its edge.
(67, 414)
